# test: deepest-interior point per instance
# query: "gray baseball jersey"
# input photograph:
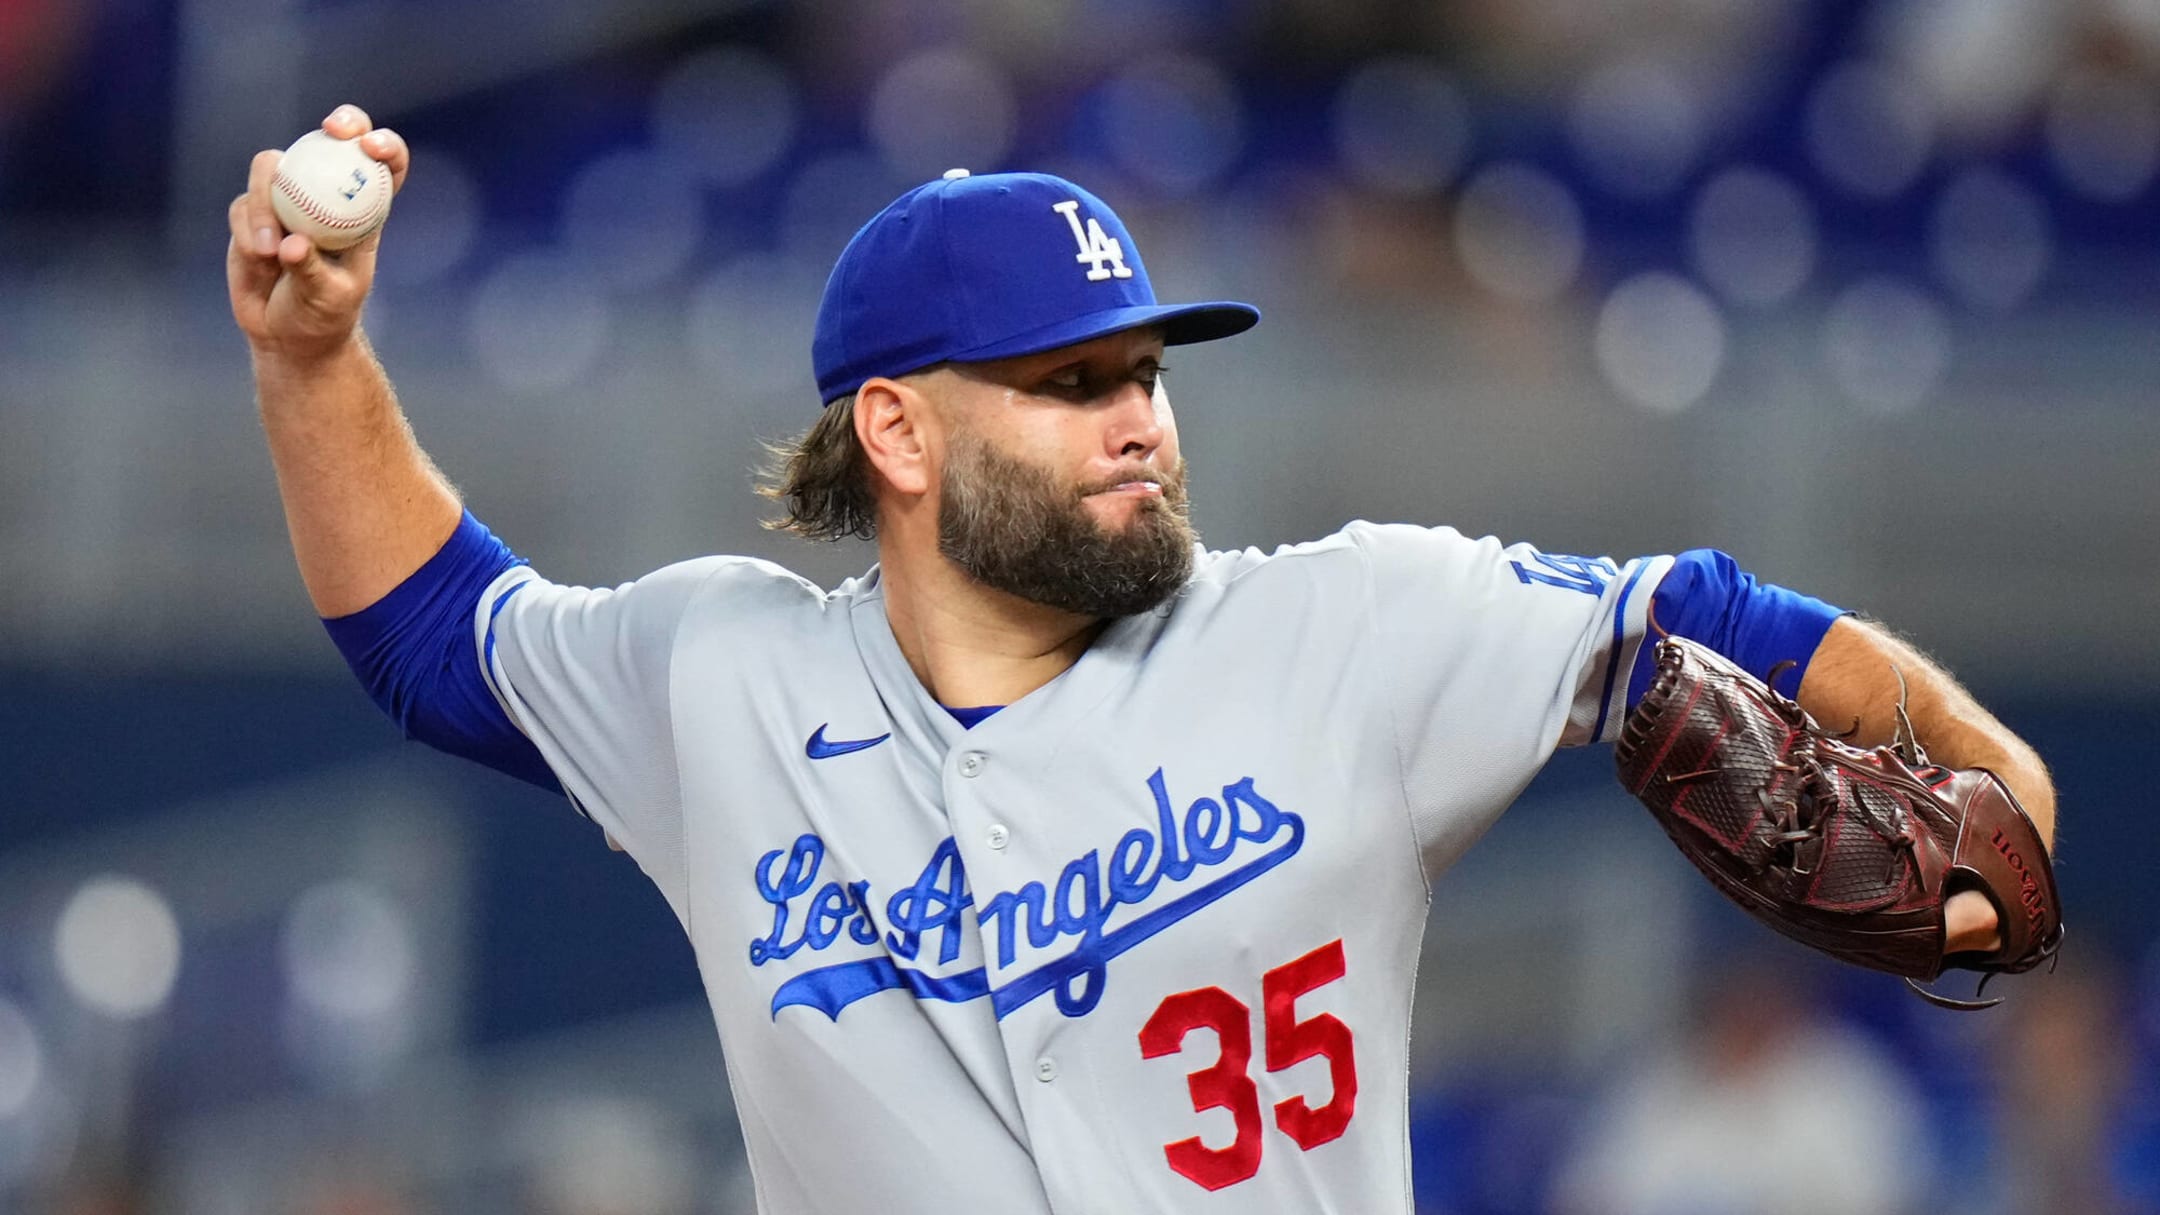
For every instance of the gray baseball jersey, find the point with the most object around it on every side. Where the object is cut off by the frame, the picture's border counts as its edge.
(1145, 939)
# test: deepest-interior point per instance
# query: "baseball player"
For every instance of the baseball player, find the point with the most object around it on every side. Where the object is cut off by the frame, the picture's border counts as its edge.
(1055, 863)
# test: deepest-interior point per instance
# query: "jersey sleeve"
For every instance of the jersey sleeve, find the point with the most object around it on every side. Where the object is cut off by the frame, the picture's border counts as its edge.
(1492, 655)
(584, 673)
(1495, 654)
(1551, 637)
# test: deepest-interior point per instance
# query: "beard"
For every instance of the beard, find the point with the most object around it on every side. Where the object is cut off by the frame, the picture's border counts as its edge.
(1017, 528)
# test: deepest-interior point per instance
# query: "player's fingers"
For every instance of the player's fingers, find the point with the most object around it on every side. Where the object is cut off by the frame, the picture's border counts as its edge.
(1970, 924)
(389, 147)
(260, 219)
(328, 277)
(315, 276)
(237, 217)
(247, 270)
(348, 121)
(246, 241)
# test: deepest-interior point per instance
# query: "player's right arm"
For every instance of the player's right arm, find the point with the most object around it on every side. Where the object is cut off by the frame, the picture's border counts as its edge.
(364, 504)
(454, 638)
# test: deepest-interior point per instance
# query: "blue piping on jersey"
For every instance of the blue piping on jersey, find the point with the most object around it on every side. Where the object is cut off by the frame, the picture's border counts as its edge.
(501, 601)
(1619, 638)
(971, 718)
(413, 652)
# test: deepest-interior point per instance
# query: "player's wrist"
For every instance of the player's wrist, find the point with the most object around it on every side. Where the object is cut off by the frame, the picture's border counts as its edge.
(289, 358)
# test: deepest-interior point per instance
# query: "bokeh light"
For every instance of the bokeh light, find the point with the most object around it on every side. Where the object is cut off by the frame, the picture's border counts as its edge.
(744, 344)
(728, 114)
(437, 218)
(1519, 232)
(1990, 239)
(633, 218)
(22, 1060)
(348, 950)
(118, 947)
(1886, 345)
(1401, 126)
(942, 109)
(2103, 133)
(607, 1154)
(538, 322)
(1660, 342)
(1979, 63)
(830, 198)
(1751, 235)
(1869, 129)
(1637, 125)
(1174, 122)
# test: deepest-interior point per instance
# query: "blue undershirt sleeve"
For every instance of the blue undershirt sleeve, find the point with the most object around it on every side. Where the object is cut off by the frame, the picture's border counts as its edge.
(413, 652)
(1707, 597)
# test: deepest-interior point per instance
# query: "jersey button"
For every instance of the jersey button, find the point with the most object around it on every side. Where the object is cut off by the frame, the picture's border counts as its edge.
(972, 763)
(1046, 1069)
(996, 835)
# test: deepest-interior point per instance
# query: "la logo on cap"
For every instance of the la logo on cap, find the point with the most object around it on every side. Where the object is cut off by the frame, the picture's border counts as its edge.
(972, 268)
(1104, 256)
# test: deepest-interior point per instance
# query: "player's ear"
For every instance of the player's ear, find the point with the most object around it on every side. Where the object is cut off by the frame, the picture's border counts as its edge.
(894, 424)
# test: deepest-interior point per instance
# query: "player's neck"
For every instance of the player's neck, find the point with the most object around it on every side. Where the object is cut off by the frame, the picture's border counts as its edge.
(971, 645)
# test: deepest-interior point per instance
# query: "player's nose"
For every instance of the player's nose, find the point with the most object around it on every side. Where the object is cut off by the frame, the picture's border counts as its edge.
(1133, 426)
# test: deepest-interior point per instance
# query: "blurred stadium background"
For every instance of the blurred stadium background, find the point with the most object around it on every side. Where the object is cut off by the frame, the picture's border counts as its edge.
(1862, 292)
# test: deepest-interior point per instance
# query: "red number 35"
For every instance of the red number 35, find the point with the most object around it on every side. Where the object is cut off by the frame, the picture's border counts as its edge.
(1228, 1084)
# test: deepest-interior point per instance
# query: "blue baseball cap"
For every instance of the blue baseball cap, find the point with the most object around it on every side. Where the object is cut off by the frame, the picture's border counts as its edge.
(967, 269)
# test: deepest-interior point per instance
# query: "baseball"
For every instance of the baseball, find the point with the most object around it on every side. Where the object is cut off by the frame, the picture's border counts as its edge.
(330, 191)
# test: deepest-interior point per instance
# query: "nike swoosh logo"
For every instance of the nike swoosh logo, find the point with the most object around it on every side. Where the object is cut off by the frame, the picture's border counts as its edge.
(818, 748)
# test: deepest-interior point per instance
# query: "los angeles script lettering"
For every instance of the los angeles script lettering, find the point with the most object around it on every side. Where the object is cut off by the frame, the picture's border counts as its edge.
(1226, 840)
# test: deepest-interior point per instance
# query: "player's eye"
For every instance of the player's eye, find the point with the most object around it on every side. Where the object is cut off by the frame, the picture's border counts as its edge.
(1076, 381)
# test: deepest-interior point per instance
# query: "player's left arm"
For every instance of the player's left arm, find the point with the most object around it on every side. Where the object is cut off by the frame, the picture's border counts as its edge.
(1845, 672)
(1853, 681)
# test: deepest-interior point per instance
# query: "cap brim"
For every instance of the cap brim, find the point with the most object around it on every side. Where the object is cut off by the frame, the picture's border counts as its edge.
(1182, 325)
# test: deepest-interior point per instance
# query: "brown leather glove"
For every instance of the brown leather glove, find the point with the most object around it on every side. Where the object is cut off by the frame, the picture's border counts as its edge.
(1848, 851)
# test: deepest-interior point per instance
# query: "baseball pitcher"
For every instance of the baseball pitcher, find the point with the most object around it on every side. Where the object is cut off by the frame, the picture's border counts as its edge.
(1058, 862)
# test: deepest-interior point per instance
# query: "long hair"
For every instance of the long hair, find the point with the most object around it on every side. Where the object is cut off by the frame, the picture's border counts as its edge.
(822, 479)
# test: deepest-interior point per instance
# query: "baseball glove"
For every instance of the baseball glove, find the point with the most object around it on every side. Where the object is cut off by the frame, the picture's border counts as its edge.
(1848, 851)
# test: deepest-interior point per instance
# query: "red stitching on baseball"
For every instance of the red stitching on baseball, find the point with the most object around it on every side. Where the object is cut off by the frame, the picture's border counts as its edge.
(290, 189)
